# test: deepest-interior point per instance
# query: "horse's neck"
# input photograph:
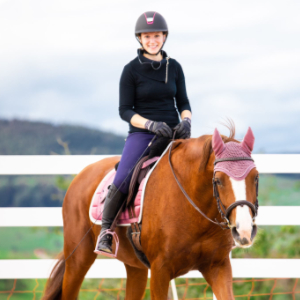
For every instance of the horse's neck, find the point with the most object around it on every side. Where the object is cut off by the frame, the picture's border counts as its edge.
(196, 182)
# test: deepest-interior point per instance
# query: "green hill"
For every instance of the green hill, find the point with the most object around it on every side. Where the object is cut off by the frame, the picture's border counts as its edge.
(20, 137)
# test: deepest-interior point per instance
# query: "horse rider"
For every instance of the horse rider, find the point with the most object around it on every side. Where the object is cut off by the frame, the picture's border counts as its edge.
(150, 87)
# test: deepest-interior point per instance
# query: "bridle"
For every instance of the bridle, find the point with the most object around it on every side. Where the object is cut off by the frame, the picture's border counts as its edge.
(225, 213)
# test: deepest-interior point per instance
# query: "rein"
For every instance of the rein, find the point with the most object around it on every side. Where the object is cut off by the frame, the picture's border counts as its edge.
(221, 208)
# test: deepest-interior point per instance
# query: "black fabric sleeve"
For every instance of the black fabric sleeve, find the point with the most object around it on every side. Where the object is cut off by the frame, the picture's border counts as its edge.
(182, 101)
(126, 94)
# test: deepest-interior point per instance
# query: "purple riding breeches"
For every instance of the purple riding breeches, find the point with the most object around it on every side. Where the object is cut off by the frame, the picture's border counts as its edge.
(135, 145)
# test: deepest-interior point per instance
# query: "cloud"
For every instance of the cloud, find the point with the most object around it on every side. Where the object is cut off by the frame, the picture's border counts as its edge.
(61, 62)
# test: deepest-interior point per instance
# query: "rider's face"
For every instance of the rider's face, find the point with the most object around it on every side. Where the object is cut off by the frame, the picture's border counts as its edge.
(152, 41)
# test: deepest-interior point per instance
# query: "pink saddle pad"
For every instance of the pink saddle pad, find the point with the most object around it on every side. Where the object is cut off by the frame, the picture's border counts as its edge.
(97, 203)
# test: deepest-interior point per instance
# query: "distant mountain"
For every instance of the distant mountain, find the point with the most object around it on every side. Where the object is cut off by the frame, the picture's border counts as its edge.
(19, 137)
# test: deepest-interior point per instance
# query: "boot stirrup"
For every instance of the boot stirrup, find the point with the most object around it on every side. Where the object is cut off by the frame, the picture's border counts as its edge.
(115, 238)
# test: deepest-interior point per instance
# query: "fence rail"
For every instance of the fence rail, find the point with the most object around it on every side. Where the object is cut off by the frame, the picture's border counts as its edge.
(73, 164)
(112, 268)
(52, 216)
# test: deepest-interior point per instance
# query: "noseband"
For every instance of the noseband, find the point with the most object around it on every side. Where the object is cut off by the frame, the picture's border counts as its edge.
(225, 213)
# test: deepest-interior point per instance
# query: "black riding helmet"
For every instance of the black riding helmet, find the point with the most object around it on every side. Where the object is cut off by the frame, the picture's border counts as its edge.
(151, 21)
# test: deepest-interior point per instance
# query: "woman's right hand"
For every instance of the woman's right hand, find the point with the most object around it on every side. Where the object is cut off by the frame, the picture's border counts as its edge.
(159, 128)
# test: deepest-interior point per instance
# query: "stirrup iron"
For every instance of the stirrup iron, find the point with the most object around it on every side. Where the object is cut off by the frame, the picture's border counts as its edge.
(114, 237)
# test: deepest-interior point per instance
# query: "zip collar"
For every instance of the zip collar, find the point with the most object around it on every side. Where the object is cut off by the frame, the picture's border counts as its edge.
(156, 70)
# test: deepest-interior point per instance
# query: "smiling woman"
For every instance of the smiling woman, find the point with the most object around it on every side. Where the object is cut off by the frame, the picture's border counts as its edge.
(152, 42)
(152, 35)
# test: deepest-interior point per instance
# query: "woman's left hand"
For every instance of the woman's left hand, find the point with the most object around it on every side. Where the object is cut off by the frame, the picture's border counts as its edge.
(183, 129)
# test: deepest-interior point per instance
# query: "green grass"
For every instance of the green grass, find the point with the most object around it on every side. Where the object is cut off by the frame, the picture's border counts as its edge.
(278, 190)
(273, 242)
(30, 243)
(24, 289)
(34, 243)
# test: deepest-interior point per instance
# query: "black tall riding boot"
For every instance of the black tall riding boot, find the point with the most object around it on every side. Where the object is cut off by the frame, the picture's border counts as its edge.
(112, 205)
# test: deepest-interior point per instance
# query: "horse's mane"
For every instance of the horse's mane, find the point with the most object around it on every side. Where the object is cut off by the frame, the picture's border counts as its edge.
(207, 148)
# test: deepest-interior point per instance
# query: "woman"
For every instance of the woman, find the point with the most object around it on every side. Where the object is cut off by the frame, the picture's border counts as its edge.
(148, 86)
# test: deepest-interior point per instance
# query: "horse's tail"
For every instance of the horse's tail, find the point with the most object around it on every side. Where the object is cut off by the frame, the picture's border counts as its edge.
(54, 283)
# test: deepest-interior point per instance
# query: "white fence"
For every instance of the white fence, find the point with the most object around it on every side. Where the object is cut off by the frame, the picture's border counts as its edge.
(40, 268)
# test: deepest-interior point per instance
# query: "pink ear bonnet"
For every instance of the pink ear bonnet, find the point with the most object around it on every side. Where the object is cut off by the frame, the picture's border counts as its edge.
(237, 169)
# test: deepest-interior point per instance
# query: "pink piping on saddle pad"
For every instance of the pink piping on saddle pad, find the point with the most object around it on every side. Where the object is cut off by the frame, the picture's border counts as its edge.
(150, 161)
(238, 169)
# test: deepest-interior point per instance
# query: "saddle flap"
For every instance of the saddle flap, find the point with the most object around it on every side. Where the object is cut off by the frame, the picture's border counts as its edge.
(139, 173)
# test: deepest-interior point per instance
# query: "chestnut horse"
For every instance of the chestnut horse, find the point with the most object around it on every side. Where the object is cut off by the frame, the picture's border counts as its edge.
(175, 237)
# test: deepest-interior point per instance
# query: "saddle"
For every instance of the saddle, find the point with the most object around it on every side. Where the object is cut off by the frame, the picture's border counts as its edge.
(130, 213)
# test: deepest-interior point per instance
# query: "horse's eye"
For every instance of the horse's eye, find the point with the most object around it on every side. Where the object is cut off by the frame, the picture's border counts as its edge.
(218, 181)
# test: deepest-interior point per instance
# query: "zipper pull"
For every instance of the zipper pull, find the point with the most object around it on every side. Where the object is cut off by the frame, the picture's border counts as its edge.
(167, 68)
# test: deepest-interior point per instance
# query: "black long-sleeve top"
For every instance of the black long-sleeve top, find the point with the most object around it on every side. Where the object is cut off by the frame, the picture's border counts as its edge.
(143, 91)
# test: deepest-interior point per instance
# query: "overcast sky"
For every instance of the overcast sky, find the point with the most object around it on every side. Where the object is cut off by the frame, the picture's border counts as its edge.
(61, 60)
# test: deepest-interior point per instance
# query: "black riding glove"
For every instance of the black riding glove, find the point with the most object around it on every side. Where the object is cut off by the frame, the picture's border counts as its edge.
(159, 128)
(183, 129)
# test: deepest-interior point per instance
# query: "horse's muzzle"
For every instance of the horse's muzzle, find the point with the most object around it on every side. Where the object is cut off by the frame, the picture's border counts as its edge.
(244, 239)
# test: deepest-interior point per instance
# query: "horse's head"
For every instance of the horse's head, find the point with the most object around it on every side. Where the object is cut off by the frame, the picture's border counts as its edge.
(236, 185)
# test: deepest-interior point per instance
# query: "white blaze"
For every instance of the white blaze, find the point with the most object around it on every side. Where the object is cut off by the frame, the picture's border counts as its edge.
(243, 216)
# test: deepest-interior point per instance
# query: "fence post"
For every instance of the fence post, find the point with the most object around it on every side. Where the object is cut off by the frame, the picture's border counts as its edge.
(174, 291)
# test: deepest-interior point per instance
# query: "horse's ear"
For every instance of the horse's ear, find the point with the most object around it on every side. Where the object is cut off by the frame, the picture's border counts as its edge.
(217, 142)
(248, 141)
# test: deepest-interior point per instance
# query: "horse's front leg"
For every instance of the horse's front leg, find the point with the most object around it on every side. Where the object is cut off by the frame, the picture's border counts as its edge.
(219, 277)
(159, 282)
